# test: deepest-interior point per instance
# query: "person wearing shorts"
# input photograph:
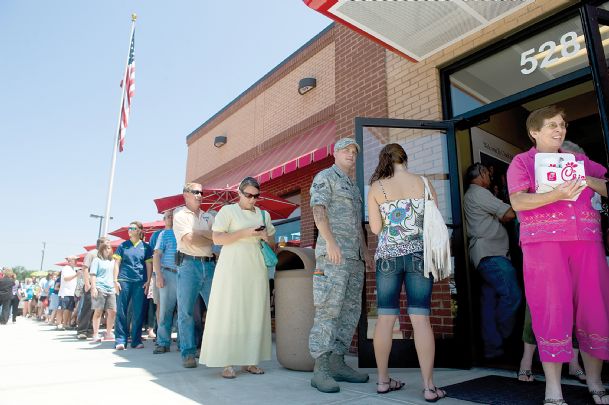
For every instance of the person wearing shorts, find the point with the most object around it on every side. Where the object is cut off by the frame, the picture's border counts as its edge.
(66, 292)
(396, 208)
(103, 295)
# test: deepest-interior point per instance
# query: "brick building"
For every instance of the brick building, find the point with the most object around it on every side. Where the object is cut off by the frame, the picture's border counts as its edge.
(450, 95)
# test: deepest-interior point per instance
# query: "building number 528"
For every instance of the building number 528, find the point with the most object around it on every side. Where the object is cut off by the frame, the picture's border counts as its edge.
(568, 47)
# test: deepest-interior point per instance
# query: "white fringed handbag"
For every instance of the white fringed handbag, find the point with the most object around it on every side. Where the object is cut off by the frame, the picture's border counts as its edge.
(436, 241)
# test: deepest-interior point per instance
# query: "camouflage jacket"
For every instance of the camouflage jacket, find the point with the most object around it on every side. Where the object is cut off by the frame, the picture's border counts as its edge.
(334, 190)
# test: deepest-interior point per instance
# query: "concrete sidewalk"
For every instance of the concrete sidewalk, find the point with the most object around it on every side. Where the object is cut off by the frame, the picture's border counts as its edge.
(41, 365)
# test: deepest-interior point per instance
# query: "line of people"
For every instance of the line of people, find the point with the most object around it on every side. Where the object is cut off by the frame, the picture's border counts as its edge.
(565, 271)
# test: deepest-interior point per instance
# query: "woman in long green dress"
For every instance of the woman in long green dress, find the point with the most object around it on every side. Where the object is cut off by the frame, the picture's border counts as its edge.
(238, 322)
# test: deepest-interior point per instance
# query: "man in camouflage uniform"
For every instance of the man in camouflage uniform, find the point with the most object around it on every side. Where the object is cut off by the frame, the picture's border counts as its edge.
(339, 274)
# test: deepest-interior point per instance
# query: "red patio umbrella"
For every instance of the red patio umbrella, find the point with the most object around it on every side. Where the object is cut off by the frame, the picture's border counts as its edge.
(113, 243)
(149, 229)
(214, 199)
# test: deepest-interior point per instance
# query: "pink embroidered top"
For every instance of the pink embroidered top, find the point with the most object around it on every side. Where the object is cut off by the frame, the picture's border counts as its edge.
(560, 220)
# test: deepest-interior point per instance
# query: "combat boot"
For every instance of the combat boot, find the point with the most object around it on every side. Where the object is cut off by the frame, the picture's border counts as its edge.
(322, 380)
(342, 372)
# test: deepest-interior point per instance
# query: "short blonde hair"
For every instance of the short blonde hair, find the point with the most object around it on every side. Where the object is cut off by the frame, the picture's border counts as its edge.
(189, 186)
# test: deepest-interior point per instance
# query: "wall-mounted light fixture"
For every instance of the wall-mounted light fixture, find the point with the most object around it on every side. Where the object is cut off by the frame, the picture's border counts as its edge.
(306, 84)
(220, 141)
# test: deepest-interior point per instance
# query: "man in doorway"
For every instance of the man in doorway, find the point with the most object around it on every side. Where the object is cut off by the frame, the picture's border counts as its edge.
(339, 275)
(488, 249)
(196, 265)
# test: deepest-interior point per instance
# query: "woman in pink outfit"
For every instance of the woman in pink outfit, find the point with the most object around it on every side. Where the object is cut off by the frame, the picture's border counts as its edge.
(565, 271)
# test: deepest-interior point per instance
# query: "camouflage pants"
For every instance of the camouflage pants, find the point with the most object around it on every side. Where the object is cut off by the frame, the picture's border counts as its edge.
(337, 296)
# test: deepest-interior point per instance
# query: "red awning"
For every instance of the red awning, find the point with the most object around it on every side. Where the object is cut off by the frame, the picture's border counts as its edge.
(298, 152)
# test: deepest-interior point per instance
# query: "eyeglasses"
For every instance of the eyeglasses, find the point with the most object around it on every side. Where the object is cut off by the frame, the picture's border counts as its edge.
(248, 195)
(554, 125)
(195, 192)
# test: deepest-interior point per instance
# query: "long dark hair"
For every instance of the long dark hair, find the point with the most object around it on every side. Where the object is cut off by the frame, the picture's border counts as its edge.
(390, 154)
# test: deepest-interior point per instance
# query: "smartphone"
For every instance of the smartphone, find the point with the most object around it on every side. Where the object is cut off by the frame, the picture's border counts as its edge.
(260, 228)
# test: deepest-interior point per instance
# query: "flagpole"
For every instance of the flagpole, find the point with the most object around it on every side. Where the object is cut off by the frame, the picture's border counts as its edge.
(118, 128)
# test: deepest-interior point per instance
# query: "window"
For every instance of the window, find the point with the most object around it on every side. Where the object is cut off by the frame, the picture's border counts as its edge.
(288, 230)
(540, 58)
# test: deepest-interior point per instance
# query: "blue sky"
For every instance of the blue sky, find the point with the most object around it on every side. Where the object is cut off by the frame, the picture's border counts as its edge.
(61, 65)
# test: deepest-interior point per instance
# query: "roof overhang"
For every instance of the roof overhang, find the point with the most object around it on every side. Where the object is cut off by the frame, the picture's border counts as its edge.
(416, 29)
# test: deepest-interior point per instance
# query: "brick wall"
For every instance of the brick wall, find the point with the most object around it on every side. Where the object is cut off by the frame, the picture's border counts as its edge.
(259, 119)
(300, 181)
(361, 88)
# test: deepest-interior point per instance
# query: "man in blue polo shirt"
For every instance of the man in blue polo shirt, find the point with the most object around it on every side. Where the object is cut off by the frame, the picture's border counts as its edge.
(132, 271)
(165, 271)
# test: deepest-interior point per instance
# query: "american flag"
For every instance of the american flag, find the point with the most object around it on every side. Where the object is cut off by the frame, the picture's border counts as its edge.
(129, 84)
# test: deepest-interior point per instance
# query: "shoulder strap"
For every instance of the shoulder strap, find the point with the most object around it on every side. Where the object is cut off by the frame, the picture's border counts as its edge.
(383, 190)
(428, 195)
(263, 218)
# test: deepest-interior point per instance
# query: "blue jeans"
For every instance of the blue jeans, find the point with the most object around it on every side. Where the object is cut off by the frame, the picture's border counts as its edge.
(168, 300)
(194, 277)
(391, 273)
(500, 298)
(131, 292)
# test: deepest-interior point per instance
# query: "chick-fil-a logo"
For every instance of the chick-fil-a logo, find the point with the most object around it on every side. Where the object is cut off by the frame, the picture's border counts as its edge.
(568, 172)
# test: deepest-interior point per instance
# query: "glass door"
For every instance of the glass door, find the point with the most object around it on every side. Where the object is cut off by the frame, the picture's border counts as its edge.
(596, 28)
(431, 150)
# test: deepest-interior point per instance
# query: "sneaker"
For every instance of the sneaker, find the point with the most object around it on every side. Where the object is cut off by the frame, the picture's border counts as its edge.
(120, 346)
(189, 362)
(160, 349)
(83, 336)
(109, 338)
(140, 346)
(96, 339)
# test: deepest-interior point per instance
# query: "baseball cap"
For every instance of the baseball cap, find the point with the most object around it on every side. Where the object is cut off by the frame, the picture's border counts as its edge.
(342, 143)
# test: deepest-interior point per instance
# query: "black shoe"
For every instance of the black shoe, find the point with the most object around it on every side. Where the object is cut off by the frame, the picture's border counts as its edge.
(160, 349)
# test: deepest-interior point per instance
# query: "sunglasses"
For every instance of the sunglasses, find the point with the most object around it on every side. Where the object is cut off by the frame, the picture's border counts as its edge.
(554, 125)
(195, 192)
(133, 228)
(248, 195)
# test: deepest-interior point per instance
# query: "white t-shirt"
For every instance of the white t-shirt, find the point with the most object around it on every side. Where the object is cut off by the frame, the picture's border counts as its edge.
(67, 287)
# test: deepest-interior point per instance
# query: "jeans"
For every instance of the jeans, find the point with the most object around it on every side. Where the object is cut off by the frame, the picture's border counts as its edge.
(5, 303)
(131, 293)
(169, 299)
(500, 298)
(391, 273)
(15, 307)
(85, 314)
(194, 277)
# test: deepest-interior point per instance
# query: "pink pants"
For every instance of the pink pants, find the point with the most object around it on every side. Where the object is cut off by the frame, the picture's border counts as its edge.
(567, 281)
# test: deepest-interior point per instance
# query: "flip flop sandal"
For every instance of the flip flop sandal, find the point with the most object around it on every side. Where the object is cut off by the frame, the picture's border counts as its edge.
(392, 385)
(253, 370)
(577, 376)
(432, 390)
(440, 391)
(525, 373)
(229, 372)
(600, 394)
